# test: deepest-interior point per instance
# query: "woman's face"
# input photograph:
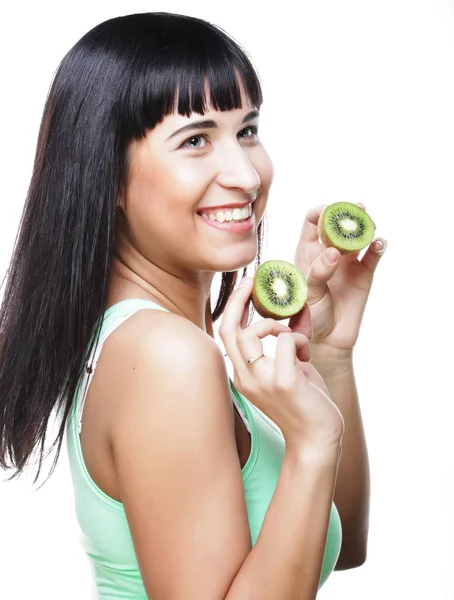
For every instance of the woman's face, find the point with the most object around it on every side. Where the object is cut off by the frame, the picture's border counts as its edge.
(177, 176)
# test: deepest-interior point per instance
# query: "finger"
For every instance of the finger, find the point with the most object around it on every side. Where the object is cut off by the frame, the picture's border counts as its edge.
(245, 317)
(232, 317)
(309, 232)
(232, 333)
(250, 340)
(235, 307)
(301, 322)
(373, 254)
(289, 348)
(321, 271)
(303, 347)
(361, 205)
(350, 257)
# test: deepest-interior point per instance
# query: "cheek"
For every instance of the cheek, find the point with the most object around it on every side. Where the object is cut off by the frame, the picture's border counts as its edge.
(185, 175)
(179, 184)
(161, 199)
(264, 167)
(161, 186)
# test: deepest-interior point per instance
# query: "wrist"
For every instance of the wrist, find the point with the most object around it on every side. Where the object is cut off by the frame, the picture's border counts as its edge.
(329, 360)
(304, 453)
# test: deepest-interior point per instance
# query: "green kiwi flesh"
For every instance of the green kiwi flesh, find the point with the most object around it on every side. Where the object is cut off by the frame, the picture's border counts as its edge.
(279, 290)
(345, 226)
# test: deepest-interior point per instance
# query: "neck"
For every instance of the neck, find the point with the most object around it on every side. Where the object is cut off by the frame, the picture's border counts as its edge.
(132, 276)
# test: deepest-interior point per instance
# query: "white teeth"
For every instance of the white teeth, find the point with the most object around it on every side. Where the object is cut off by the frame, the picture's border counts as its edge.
(237, 214)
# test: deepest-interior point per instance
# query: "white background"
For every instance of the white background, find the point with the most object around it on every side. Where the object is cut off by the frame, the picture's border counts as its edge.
(359, 106)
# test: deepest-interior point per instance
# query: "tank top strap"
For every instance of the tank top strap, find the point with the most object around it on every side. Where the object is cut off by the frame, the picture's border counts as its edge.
(112, 318)
(240, 406)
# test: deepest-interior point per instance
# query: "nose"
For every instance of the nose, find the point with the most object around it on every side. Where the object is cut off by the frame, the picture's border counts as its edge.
(237, 171)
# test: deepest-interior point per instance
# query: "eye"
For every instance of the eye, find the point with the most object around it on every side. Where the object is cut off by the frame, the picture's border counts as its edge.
(188, 143)
(254, 130)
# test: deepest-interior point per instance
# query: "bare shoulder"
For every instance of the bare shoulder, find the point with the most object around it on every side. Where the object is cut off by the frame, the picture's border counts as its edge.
(150, 327)
(173, 444)
(165, 354)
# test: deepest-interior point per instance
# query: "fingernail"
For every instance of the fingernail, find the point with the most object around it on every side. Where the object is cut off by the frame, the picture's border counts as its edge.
(330, 256)
(245, 281)
(379, 246)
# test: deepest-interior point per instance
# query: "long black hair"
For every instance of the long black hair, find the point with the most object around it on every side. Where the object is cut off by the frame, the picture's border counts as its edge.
(118, 81)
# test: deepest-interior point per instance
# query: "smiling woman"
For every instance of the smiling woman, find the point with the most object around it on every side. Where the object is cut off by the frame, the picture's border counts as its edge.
(183, 488)
(172, 184)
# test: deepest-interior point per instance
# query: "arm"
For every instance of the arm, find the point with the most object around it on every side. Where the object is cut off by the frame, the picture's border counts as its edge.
(286, 560)
(352, 492)
(173, 442)
(338, 289)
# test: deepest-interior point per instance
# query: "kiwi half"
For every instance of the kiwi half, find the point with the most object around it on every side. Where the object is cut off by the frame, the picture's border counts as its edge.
(279, 290)
(345, 226)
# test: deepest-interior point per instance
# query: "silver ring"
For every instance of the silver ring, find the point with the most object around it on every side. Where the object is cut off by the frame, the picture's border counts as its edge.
(250, 361)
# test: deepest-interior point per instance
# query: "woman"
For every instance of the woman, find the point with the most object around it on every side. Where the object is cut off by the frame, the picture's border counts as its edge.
(183, 487)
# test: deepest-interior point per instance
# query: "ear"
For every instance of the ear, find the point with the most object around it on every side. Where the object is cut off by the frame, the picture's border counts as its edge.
(121, 202)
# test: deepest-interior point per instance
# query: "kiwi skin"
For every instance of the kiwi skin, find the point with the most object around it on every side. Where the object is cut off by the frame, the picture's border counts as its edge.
(264, 312)
(326, 241)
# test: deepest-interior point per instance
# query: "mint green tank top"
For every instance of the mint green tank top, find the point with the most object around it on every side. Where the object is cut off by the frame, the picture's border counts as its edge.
(105, 534)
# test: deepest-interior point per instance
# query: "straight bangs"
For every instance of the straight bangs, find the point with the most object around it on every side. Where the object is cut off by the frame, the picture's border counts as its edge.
(196, 60)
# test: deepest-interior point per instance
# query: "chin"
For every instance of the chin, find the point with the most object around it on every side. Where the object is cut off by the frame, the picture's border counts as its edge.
(230, 266)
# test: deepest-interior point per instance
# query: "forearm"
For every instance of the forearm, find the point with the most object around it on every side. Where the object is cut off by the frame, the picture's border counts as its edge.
(352, 493)
(287, 558)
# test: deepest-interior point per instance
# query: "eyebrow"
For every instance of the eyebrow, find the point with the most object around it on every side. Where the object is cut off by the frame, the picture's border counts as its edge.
(209, 124)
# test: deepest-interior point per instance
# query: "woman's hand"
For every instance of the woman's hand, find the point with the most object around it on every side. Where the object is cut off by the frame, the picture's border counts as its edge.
(286, 388)
(338, 286)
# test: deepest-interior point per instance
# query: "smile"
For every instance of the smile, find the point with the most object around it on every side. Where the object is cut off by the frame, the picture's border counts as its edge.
(237, 220)
(229, 214)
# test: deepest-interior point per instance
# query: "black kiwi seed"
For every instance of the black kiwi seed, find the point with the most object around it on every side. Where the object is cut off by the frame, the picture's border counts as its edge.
(279, 290)
(345, 226)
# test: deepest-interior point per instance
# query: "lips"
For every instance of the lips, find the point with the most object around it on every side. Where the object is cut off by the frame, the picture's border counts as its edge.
(215, 209)
(242, 226)
(252, 197)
